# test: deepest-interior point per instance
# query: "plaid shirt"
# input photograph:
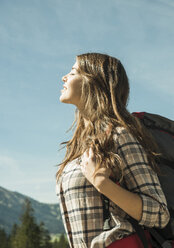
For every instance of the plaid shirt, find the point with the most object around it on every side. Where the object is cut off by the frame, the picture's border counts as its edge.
(82, 207)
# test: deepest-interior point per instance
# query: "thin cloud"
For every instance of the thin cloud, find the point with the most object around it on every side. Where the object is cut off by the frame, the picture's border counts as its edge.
(8, 163)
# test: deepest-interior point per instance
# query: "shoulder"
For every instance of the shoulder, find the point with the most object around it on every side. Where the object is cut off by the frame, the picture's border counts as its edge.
(129, 148)
(122, 135)
(128, 145)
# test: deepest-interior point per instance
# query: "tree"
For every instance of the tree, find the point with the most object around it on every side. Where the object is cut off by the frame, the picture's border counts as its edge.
(55, 244)
(12, 235)
(28, 233)
(63, 243)
(45, 239)
(4, 240)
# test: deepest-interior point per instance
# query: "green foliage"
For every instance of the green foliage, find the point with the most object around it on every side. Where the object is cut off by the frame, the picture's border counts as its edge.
(13, 235)
(28, 234)
(61, 243)
(4, 240)
(55, 244)
(11, 204)
(45, 239)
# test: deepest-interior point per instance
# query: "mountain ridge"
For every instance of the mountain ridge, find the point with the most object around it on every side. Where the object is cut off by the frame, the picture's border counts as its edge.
(11, 206)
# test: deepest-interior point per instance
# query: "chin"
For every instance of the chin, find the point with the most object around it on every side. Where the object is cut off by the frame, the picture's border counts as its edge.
(63, 99)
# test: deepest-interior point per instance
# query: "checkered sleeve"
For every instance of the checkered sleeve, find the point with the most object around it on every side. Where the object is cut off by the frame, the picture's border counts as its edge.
(141, 179)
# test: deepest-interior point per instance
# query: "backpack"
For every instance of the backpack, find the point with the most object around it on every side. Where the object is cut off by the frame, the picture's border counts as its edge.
(162, 130)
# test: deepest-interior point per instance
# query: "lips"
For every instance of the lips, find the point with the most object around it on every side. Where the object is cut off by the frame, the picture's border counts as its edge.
(64, 88)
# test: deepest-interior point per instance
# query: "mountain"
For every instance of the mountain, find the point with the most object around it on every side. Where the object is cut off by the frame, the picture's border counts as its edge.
(11, 206)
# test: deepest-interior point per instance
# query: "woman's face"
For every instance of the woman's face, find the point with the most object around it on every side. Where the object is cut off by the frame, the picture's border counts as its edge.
(72, 87)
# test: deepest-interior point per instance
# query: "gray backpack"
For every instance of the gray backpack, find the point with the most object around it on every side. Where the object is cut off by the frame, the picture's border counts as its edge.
(162, 130)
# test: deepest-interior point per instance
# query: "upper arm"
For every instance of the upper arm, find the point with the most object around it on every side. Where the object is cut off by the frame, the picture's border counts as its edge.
(139, 178)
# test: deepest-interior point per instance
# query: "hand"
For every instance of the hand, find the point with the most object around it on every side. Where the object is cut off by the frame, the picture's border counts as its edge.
(88, 167)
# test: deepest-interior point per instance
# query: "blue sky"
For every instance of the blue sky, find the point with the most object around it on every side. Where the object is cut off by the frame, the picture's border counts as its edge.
(39, 40)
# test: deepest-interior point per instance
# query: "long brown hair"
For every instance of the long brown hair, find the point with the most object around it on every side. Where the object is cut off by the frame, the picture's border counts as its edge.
(105, 92)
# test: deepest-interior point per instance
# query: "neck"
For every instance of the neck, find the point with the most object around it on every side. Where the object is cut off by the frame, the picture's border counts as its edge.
(81, 110)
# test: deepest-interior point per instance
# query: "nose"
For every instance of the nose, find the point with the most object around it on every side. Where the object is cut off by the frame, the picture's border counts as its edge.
(64, 78)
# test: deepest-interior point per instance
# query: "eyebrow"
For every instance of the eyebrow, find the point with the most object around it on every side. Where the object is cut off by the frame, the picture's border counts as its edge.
(73, 68)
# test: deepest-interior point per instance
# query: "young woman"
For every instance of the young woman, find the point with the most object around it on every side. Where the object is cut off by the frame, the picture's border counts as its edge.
(109, 154)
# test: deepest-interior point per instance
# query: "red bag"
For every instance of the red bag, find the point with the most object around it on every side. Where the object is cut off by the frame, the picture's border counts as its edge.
(132, 241)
